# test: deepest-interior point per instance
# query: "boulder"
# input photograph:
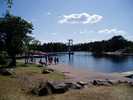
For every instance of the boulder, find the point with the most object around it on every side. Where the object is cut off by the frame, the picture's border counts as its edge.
(123, 82)
(6, 72)
(73, 85)
(130, 83)
(130, 76)
(82, 83)
(47, 70)
(110, 82)
(41, 89)
(101, 83)
(58, 87)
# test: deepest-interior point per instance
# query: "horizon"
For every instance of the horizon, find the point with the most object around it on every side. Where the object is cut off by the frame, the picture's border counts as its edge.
(83, 21)
(86, 42)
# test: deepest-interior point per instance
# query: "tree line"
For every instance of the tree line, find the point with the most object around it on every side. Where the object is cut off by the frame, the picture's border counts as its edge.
(116, 43)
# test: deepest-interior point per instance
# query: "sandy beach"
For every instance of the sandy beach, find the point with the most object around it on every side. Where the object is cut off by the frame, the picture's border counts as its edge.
(75, 74)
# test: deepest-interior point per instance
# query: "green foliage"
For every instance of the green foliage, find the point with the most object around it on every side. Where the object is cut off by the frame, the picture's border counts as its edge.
(54, 47)
(48, 47)
(116, 43)
(129, 49)
(13, 31)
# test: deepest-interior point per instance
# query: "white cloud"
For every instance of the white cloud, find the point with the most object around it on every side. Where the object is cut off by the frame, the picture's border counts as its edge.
(83, 18)
(112, 31)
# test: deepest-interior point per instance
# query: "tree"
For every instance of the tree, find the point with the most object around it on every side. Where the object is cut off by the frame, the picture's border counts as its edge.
(35, 45)
(14, 30)
(117, 43)
(26, 48)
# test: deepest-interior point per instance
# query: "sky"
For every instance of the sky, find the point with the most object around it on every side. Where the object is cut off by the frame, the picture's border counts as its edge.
(80, 20)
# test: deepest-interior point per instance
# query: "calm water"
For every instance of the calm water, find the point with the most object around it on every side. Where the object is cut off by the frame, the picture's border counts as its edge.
(108, 64)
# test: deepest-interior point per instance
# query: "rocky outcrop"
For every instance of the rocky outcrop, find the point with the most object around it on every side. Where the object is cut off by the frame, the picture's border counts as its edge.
(52, 87)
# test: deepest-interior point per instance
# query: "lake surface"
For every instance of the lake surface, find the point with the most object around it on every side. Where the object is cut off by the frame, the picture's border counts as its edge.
(86, 60)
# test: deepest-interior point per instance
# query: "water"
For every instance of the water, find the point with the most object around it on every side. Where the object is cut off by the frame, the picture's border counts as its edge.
(86, 60)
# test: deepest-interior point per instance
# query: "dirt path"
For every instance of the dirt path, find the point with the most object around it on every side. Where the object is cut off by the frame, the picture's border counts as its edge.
(75, 74)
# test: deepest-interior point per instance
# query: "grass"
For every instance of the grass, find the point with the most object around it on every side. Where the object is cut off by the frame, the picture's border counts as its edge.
(12, 89)
(35, 70)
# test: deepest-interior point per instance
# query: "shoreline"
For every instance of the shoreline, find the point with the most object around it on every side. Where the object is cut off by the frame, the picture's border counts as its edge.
(117, 54)
(77, 74)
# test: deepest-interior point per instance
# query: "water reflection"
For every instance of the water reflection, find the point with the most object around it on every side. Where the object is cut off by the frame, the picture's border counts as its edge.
(100, 63)
(112, 58)
(70, 60)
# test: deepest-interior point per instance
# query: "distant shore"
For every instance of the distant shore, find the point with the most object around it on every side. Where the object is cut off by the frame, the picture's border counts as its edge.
(117, 53)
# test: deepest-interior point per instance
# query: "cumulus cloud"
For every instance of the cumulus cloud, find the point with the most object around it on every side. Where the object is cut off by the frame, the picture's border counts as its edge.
(83, 18)
(112, 31)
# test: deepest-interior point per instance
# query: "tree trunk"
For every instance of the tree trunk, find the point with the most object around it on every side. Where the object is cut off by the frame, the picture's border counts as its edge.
(13, 62)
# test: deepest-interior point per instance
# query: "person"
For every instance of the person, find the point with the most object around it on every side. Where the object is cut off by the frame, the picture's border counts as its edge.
(40, 61)
(31, 59)
(46, 60)
(55, 60)
(51, 60)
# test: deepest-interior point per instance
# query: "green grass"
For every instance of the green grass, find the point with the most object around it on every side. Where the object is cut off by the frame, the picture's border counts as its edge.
(35, 70)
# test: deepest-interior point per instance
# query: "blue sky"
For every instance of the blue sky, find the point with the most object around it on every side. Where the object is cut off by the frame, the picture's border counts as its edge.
(80, 20)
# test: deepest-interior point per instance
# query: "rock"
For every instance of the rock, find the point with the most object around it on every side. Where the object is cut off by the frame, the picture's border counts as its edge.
(6, 72)
(47, 70)
(42, 89)
(130, 83)
(72, 85)
(47, 88)
(122, 82)
(58, 87)
(101, 83)
(130, 76)
(50, 70)
(82, 83)
(109, 82)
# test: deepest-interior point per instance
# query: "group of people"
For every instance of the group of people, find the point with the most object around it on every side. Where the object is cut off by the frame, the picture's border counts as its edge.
(49, 61)
(56, 60)
(53, 59)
